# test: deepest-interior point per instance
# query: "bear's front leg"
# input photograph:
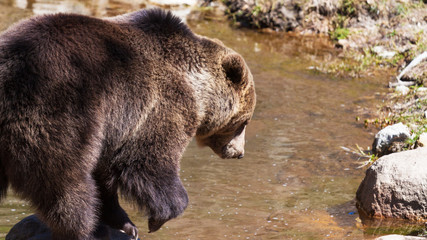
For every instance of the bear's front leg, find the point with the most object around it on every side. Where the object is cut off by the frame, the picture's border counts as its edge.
(160, 194)
(168, 200)
(146, 169)
(112, 213)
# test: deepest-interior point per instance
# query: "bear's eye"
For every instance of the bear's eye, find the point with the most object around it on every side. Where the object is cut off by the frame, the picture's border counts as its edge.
(239, 130)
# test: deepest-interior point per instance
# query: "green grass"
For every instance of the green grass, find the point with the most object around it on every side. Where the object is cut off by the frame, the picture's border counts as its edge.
(339, 33)
(412, 141)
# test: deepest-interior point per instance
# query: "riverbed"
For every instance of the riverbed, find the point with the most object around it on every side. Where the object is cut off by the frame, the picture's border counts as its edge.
(295, 181)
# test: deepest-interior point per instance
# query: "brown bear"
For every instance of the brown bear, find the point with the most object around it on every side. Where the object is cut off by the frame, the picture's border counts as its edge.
(89, 106)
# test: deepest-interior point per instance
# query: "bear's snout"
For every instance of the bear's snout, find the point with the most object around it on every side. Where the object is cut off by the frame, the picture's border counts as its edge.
(230, 151)
(236, 147)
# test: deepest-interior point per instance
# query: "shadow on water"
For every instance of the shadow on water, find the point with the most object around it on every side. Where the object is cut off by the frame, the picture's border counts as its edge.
(295, 182)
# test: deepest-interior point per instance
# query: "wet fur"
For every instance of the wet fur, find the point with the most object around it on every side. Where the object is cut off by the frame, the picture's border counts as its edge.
(91, 106)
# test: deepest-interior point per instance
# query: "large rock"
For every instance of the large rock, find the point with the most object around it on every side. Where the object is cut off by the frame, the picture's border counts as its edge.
(395, 186)
(399, 237)
(390, 139)
(31, 228)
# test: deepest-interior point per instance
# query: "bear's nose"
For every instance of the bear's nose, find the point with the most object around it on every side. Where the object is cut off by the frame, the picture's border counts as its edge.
(241, 156)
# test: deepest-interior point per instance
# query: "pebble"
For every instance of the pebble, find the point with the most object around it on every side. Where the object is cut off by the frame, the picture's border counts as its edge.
(402, 90)
(383, 53)
(422, 90)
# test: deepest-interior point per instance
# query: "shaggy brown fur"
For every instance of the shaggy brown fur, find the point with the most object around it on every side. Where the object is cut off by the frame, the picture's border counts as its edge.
(89, 106)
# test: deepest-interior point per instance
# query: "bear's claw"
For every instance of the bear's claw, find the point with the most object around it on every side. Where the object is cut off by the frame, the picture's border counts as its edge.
(131, 230)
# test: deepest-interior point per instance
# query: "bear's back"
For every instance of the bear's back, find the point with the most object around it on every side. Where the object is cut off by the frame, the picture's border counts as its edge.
(63, 68)
(50, 47)
(62, 59)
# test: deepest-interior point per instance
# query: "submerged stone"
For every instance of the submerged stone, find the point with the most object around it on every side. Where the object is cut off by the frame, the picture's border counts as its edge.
(31, 228)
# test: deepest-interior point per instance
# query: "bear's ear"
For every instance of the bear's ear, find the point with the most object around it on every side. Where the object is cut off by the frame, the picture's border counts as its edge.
(235, 68)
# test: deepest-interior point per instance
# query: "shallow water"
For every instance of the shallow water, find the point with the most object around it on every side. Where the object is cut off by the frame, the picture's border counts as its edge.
(295, 181)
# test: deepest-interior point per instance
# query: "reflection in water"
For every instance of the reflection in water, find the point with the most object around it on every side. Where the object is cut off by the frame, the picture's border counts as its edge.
(294, 181)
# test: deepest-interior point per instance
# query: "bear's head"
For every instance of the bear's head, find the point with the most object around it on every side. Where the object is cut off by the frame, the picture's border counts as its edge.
(223, 129)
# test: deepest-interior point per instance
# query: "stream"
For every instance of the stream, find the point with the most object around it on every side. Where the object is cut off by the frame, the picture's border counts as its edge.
(295, 181)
